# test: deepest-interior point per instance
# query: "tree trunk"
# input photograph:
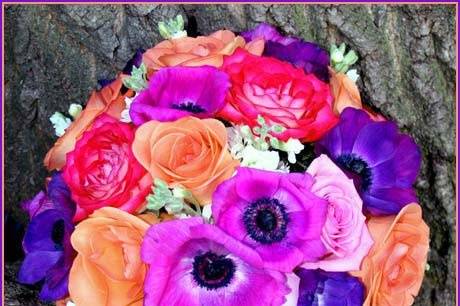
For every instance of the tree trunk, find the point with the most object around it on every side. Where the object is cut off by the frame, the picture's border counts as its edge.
(55, 54)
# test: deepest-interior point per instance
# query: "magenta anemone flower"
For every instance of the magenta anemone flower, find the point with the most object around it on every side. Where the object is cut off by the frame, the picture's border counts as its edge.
(196, 264)
(178, 92)
(274, 213)
(382, 162)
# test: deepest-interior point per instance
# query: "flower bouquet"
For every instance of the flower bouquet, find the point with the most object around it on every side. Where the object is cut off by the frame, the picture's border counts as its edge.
(228, 170)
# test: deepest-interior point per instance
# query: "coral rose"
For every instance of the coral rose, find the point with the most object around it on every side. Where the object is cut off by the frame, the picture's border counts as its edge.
(393, 270)
(344, 91)
(109, 100)
(102, 170)
(108, 269)
(280, 93)
(199, 51)
(346, 94)
(190, 152)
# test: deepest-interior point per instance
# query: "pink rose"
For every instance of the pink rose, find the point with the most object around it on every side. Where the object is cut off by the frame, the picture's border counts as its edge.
(345, 233)
(102, 170)
(279, 92)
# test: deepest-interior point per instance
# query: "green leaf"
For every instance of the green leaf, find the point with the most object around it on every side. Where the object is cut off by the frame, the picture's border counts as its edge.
(174, 206)
(278, 128)
(340, 61)
(260, 120)
(274, 142)
(350, 58)
(138, 79)
(160, 183)
(172, 28)
(332, 49)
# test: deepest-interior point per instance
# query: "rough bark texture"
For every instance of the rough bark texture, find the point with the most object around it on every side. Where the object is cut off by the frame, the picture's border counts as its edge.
(55, 55)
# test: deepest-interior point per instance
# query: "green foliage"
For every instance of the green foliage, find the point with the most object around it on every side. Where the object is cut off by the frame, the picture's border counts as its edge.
(172, 28)
(340, 61)
(138, 79)
(174, 201)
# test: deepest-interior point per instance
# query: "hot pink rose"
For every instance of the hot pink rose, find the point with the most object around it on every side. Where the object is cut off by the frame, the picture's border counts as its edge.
(345, 233)
(280, 93)
(102, 170)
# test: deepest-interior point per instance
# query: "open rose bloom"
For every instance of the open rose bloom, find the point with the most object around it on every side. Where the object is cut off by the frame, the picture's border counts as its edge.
(178, 184)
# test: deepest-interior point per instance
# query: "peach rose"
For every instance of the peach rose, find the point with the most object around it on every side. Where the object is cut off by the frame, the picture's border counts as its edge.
(108, 269)
(109, 100)
(346, 94)
(190, 152)
(202, 50)
(393, 270)
(344, 91)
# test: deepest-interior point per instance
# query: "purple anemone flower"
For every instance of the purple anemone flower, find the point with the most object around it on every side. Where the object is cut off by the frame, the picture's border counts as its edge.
(382, 162)
(49, 254)
(196, 264)
(178, 92)
(274, 213)
(318, 287)
(309, 56)
(268, 33)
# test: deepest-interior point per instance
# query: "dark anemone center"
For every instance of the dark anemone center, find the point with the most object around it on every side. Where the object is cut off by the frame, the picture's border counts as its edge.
(212, 271)
(189, 106)
(356, 169)
(57, 234)
(266, 220)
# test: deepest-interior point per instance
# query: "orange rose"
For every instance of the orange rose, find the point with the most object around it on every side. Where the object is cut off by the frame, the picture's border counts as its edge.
(202, 50)
(393, 270)
(190, 152)
(346, 94)
(109, 100)
(108, 269)
(344, 91)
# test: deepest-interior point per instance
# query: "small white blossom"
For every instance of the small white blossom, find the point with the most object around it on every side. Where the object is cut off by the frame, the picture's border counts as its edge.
(60, 123)
(125, 113)
(283, 167)
(337, 56)
(206, 212)
(75, 110)
(235, 142)
(253, 151)
(293, 147)
(264, 160)
(70, 303)
(180, 34)
(353, 75)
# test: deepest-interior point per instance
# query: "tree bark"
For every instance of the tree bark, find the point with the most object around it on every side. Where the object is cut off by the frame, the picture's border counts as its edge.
(55, 54)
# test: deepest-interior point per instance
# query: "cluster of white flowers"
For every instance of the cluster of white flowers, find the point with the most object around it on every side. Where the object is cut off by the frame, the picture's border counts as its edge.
(252, 146)
(125, 113)
(61, 122)
(341, 61)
